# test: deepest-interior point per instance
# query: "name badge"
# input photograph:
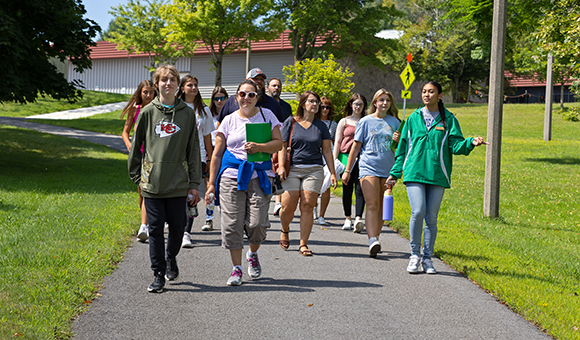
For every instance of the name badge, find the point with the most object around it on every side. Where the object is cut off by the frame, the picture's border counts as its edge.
(440, 128)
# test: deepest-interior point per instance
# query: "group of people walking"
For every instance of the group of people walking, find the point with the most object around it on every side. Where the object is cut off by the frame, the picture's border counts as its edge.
(177, 141)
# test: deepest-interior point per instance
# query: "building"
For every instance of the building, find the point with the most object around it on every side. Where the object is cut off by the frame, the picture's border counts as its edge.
(531, 90)
(117, 71)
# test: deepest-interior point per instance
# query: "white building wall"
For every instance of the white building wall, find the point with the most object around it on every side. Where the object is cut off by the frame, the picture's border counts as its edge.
(123, 75)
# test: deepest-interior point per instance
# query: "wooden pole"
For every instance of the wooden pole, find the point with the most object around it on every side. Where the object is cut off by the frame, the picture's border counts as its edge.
(549, 97)
(495, 111)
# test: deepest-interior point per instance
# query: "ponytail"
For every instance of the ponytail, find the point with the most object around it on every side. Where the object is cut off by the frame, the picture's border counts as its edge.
(442, 112)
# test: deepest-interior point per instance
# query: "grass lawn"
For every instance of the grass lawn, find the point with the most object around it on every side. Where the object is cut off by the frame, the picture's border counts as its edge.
(67, 213)
(48, 105)
(529, 258)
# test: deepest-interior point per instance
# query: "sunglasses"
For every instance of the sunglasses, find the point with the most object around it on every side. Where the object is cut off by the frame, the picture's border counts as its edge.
(325, 107)
(219, 99)
(250, 95)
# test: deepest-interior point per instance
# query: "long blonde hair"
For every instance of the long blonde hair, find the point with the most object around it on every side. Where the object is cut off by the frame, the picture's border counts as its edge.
(392, 111)
(136, 98)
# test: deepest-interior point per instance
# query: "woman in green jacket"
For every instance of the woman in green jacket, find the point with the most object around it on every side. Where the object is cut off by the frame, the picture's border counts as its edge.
(430, 136)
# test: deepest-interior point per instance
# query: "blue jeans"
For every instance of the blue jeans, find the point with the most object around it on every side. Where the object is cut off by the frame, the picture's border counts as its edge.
(425, 200)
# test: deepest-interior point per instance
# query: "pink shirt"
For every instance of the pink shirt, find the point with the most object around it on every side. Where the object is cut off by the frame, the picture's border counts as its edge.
(233, 127)
(348, 138)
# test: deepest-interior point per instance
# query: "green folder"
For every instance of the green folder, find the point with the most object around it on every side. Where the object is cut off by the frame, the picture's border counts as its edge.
(343, 158)
(259, 133)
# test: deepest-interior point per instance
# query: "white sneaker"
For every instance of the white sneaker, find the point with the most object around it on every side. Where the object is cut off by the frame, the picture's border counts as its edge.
(374, 247)
(321, 221)
(277, 208)
(414, 263)
(207, 226)
(358, 225)
(166, 227)
(143, 234)
(347, 225)
(186, 242)
(315, 212)
(428, 266)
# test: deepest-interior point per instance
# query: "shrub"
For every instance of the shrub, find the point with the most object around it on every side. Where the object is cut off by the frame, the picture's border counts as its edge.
(325, 77)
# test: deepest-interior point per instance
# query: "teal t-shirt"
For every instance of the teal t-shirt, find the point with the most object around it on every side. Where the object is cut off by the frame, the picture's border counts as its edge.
(376, 136)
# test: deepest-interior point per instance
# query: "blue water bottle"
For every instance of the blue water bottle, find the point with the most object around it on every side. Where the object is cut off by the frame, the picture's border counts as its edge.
(388, 205)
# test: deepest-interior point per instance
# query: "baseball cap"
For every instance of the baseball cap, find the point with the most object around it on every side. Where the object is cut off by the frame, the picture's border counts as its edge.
(254, 73)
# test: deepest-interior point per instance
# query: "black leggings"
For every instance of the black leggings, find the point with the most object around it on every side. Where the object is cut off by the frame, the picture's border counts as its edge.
(353, 183)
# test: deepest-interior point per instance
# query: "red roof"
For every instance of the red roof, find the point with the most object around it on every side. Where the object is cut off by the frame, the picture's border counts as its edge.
(108, 50)
(529, 82)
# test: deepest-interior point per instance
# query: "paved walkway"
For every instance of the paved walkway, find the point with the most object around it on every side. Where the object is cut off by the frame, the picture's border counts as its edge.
(339, 293)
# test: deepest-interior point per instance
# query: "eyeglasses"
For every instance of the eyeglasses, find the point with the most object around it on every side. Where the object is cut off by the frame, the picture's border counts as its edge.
(250, 95)
(325, 107)
(313, 101)
(357, 104)
(219, 99)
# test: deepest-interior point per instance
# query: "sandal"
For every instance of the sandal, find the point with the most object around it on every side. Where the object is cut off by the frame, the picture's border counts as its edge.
(285, 244)
(305, 251)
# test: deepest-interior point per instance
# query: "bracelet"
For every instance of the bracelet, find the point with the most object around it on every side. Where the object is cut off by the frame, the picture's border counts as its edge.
(346, 170)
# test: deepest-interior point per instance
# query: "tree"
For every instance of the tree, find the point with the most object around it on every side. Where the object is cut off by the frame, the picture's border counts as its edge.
(140, 30)
(223, 25)
(442, 47)
(34, 32)
(345, 27)
(325, 77)
(114, 26)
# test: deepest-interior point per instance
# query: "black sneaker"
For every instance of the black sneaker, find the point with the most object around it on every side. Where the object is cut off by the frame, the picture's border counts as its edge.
(172, 270)
(158, 284)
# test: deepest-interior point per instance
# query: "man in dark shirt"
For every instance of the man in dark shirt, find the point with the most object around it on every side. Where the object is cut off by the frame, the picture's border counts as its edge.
(264, 100)
(274, 90)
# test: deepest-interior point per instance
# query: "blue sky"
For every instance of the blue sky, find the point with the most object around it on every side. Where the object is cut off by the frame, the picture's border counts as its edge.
(98, 10)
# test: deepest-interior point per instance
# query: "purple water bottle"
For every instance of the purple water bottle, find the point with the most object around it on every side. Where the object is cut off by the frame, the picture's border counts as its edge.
(388, 205)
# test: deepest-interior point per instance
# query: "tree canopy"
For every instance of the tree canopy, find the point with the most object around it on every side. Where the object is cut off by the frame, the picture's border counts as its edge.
(345, 27)
(32, 34)
(222, 25)
(140, 29)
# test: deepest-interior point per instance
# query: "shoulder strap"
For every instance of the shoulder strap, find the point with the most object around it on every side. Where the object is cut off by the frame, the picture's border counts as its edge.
(263, 117)
(291, 132)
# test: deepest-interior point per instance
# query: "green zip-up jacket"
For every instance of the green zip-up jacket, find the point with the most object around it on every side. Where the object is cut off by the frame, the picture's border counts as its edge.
(426, 156)
(170, 163)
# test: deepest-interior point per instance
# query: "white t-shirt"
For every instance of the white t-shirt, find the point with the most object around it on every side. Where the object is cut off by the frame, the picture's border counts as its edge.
(429, 117)
(233, 127)
(204, 127)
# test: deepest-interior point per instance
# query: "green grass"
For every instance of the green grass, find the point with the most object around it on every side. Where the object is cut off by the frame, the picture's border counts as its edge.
(67, 213)
(529, 258)
(48, 105)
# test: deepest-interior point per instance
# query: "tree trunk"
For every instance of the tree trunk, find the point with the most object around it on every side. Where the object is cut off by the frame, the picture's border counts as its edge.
(455, 92)
(217, 63)
(562, 95)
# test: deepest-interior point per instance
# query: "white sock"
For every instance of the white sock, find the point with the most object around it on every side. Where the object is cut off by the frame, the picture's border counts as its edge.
(251, 253)
(372, 240)
(239, 267)
(144, 225)
(278, 204)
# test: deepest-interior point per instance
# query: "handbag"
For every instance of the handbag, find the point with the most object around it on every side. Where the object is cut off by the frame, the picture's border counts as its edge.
(275, 161)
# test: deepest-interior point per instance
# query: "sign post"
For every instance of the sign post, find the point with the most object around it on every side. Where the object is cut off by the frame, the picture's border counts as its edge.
(408, 77)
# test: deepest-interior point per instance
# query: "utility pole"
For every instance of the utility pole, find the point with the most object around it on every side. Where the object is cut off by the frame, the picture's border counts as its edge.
(549, 95)
(495, 111)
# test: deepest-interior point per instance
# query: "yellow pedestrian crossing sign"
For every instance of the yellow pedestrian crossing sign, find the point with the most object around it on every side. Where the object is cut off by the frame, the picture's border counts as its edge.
(407, 76)
(406, 94)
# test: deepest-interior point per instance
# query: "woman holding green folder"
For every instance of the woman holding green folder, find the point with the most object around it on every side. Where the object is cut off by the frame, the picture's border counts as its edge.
(243, 187)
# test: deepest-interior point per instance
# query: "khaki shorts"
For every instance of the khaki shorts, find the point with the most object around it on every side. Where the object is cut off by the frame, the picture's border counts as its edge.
(307, 179)
(243, 210)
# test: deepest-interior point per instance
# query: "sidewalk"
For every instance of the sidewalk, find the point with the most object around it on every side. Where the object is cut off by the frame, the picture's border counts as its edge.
(339, 293)
(113, 141)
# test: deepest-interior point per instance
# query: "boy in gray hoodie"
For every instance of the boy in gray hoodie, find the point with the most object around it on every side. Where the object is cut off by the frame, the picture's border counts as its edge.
(168, 170)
